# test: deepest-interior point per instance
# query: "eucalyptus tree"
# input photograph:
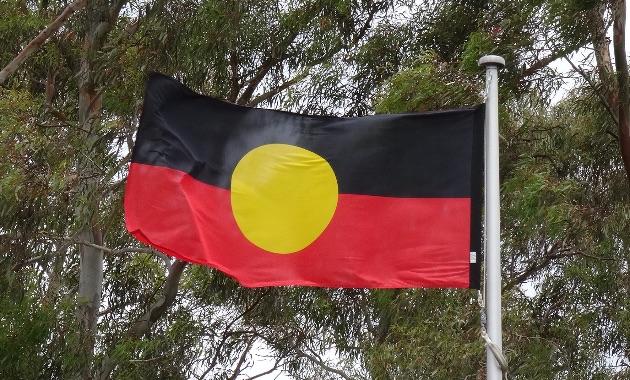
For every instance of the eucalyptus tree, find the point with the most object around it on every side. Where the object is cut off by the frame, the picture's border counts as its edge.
(68, 117)
(72, 109)
(565, 204)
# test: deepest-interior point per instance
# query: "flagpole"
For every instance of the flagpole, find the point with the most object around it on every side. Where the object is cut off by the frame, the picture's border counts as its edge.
(492, 63)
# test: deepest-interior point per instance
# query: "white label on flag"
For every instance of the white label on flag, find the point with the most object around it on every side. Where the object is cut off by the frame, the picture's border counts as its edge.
(473, 257)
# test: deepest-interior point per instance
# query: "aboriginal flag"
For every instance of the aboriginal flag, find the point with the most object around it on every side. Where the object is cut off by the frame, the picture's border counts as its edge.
(278, 198)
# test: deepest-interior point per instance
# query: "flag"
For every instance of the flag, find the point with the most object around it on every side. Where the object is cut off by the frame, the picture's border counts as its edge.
(278, 198)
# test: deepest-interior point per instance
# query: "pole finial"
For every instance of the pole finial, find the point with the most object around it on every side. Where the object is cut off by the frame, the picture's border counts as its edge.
(491, 60)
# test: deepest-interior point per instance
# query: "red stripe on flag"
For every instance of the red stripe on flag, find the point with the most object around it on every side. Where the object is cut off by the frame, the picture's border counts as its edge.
(372, 241)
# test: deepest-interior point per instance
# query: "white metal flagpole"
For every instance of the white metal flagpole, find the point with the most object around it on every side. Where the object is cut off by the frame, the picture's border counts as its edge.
(492, 63)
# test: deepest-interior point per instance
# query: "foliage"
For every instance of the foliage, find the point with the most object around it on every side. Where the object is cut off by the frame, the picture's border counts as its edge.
(428, 85)
(67, 122)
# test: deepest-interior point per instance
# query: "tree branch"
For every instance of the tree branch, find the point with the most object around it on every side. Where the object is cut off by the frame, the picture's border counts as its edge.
(235, 80)
(241, 360)
(150, 251)
(320, 362)
(601, 96)
(226, 334)
(157, 310)
(261, 98)
(275, 367)
(542, 63)
(262, 71)
(40, 39)
(557, 251)
(366, 25)
(270, 62)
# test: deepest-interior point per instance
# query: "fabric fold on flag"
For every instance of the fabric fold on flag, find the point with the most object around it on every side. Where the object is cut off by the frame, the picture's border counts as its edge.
(278, 198)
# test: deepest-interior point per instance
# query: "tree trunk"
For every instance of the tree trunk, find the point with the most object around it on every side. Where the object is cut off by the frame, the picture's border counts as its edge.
(100, 16)
(601, 46)
(91, 258)
(621, 65)
(89, 299)
(615, 81)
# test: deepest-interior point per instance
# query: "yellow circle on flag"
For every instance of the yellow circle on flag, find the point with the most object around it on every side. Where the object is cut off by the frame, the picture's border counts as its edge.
(283, 197)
